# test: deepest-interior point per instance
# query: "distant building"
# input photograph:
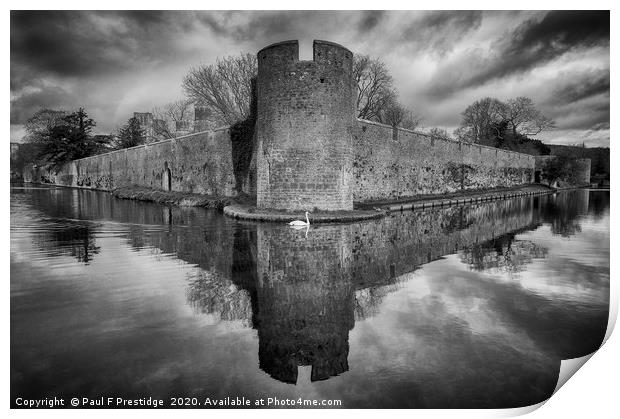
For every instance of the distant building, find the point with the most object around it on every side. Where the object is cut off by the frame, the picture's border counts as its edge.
(183, 126)
(201, 118)
(146, 123)
(159, 129)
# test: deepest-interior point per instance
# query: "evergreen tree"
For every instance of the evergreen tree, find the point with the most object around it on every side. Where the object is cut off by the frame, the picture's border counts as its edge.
(69, 139)
(559, 167)
(130, 135)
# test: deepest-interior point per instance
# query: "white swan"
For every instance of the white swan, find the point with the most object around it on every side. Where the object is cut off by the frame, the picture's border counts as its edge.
(300, 223)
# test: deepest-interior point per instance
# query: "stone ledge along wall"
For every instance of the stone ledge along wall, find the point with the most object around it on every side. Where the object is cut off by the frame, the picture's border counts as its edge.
(394, 163)
(196, 163)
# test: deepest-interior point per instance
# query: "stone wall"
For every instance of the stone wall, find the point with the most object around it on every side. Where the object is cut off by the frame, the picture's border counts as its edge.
(395, 163)
(386, 164)
(197, 163)
(305, 112)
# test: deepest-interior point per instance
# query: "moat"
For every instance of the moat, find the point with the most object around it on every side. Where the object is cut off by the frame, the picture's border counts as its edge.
(467, 306)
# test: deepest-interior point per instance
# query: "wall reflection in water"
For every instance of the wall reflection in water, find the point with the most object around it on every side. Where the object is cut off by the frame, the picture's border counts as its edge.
(307, 291)
(304, 293)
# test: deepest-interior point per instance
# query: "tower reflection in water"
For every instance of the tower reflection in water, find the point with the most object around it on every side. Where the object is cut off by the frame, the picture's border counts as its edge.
(302, 293)
(306, 301)
(305, 292)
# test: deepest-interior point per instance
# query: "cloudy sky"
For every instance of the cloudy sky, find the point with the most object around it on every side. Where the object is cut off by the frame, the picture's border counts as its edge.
(115, 63)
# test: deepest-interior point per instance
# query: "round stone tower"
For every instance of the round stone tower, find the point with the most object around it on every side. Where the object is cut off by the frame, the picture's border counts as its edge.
(305, 113)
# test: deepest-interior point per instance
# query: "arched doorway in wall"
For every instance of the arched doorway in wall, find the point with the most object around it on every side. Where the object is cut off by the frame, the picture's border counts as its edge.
(537, 176)
(167, 178)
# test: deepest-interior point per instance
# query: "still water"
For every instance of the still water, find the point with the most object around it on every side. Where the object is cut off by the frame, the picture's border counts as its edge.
(470, 306)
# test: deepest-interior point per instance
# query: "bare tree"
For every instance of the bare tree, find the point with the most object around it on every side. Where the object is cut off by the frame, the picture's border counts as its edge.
(173, 115)
(398, 115)
(523, 118)
(224, 87)
(40, 125)
(376, 97)
(464, 134)
(374, 86)
(162, 127)
(179, 110)
(481, 119)
(439, 133)
(39, 128)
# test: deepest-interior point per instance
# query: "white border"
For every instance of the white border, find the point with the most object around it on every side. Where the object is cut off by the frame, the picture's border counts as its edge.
(592, 393)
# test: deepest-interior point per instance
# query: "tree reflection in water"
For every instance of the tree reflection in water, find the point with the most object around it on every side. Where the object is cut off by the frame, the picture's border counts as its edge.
(306, 293)
(563, 211)
(302, 294)
(74, 239)
(504, 253)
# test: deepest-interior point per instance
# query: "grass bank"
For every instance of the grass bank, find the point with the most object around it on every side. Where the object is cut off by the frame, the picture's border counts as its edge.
(244, 205)
(250, 212)
(181, 199)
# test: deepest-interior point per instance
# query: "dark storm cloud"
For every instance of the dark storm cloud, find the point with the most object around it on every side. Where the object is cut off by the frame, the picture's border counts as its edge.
(591, 115)
(218, 26)
(558, 32)
(57, 57)
(58, 43)
(579, 99)
(438, 31)
(254, 26)
(69, 43)
(276, 24)
(369, 20)
(579, 86)
(587, 117)
(117, 62)
(600, 127)
(48, 97)
(533, 43)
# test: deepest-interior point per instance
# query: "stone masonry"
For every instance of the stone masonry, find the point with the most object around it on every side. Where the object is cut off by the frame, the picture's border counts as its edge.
(305, 113)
